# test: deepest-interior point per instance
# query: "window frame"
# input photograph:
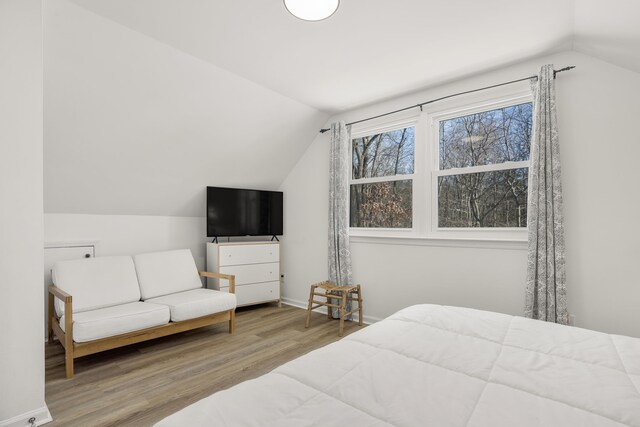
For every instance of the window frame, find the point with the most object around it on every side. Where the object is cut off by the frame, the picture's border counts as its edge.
(425, 230)
(372, 129)
(434, 118)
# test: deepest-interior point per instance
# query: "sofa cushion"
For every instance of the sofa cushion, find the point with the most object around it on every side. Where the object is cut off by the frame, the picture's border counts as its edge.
(164, 273)
(96, 282)
(116, 320)
(196, 303)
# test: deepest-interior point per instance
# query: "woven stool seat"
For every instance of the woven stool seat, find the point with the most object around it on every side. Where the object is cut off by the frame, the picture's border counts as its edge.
(332, 287)
(333, 292)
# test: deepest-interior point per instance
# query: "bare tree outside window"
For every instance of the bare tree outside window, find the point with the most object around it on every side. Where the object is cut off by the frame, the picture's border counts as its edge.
(383, 203)
(487, 198)
(383, 154)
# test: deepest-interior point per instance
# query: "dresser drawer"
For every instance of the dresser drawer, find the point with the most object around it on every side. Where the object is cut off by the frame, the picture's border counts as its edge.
(253, 273)
(256, 293)
(248, 254)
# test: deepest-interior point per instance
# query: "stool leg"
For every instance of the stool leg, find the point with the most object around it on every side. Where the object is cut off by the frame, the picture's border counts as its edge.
(359, 305)
(329, 301)
(343, 307)
(306, 323)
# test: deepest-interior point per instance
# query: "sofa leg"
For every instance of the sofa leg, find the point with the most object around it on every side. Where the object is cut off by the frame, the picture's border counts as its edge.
(68, 360)
(232, 321)
(51, 309)
(68, 340)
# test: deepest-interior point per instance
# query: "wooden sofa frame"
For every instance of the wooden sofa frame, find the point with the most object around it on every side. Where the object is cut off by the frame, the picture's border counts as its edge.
(73, 350)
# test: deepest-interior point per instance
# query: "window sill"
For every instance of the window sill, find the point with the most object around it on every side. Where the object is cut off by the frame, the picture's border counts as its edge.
(454, 242)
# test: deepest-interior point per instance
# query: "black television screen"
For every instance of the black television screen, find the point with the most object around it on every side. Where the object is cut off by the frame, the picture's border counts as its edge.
(242, 212)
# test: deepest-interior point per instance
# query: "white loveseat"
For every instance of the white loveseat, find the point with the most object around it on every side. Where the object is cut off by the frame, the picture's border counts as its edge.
(97, 304)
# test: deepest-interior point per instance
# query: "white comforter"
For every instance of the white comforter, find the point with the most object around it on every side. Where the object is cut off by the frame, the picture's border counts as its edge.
(431, 365)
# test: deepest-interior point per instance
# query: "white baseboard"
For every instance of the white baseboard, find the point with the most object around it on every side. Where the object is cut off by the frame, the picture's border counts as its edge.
(303, 304)
(42, 416)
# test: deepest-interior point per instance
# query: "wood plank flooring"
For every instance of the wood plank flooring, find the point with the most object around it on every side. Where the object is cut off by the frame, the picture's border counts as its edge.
(140, 384)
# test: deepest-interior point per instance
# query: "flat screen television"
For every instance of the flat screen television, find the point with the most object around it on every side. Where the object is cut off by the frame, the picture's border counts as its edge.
(243, 212)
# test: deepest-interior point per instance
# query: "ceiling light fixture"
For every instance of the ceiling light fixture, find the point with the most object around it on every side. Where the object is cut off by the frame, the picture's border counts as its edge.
(312, 10)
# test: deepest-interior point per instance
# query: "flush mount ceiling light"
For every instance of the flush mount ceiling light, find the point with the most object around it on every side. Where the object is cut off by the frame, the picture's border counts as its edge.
(312, 10)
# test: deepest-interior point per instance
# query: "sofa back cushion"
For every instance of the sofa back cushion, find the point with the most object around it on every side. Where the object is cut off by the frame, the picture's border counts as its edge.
(96, 282)
(164, 273)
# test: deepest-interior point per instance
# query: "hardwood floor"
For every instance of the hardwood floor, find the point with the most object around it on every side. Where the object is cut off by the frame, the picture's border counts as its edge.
(140, 384)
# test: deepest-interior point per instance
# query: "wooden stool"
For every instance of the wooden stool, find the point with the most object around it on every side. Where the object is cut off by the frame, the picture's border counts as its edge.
(335, 292)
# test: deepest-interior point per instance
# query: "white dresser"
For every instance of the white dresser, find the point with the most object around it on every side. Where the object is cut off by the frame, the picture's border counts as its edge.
(256, 266)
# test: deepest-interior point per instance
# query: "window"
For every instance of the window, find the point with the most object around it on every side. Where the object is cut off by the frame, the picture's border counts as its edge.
(483, 166)
(382, 179)
(458, 170)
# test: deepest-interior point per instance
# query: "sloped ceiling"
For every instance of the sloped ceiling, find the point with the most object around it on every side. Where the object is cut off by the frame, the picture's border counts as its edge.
(609, 30)
(368, 50)
(134, 126)
(149, 101)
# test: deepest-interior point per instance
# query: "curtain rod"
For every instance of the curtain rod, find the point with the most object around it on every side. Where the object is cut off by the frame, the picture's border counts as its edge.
(571, 67)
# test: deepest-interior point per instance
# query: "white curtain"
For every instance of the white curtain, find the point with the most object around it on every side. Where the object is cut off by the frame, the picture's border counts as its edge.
(546, 294)
(339, 169)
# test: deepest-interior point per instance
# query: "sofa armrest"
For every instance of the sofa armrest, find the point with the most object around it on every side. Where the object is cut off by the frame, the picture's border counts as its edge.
(60, 294)
(56, 292)
(229, 277)
(67, 335)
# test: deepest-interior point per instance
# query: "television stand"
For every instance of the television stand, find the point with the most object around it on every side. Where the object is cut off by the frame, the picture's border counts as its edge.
(215, 239)
(275, 237)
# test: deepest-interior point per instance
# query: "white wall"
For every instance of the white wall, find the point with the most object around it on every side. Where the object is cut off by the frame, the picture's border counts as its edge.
(598, 105)
(130, 234)
(135, 129)
(21, 255)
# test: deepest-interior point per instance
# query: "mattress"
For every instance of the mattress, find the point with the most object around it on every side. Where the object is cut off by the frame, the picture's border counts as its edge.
(430, 365)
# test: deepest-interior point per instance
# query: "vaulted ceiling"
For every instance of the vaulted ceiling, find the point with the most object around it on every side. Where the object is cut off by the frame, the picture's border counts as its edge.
(609, 30)
(149, 101)
(372, 49)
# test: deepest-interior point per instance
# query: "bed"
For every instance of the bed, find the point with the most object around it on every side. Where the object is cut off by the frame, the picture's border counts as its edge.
(430, 365)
